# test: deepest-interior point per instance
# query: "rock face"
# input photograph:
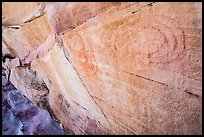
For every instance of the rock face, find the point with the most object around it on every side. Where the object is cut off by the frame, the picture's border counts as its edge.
(110, 68)
(21, 117)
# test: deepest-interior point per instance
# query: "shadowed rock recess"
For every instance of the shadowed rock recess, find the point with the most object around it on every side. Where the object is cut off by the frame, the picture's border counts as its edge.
(21, 117)
(102, 68)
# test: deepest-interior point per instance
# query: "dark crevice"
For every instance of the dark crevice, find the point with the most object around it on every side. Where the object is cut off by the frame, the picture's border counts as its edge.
(44, 103)
(12, 27)
(115, 47)
(60, 41)
(9, 74)
(133, 12)
(40, 86)
(150, 4)
(24, 65)
(50, 81)
(66, 54)
(67, 131)
(35, 17)
(146, 78)
(192, 94)
(7, 56)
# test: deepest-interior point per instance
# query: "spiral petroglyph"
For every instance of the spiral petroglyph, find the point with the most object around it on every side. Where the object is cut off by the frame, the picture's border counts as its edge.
(165, 48)
(160, 39)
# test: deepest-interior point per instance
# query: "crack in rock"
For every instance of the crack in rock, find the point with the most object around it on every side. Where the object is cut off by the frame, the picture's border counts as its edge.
(145, 78)
(91, 95)
(149, 4)
(42, 13)
(18, 26)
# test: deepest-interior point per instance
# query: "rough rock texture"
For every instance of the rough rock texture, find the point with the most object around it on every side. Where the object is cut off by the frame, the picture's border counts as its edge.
(21, 117)
(110, 68)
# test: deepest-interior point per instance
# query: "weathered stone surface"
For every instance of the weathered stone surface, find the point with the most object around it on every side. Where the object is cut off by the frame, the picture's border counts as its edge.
(16, 13)
(112, 68)
(29, 83)
(66, 16)
(21, 117)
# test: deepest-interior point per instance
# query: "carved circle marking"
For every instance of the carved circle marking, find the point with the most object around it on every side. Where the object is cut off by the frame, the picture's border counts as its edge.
(158, 39)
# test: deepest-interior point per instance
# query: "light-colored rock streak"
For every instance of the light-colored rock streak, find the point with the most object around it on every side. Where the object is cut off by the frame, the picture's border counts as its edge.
(88, 91)
(66, 54)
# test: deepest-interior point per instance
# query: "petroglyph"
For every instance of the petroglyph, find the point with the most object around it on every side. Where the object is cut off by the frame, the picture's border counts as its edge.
(160, 39)
(83, 55)
(161, 49)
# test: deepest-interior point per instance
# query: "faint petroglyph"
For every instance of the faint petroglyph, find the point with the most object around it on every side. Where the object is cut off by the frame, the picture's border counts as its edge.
(160, 39)
(84, 55)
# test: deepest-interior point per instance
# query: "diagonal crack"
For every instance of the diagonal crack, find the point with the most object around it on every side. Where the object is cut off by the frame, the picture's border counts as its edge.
(18, 26)
(79, 105)
(186, 91)
(149, 4)
(114, 117)
(66, 54)
(190, 93)
(114, 107)
(91, 95)
(145, 78)
(42, 13)
(59, 40)
(67, 57)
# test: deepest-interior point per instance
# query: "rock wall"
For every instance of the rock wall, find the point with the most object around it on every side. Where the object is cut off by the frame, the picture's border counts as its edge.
(22, 117)
(110, 68)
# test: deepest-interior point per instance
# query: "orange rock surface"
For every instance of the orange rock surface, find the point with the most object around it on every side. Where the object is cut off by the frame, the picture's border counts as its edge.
(111, 68)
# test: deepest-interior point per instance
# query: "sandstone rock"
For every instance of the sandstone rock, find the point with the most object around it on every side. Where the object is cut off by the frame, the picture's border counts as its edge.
(15, 13)
(21, 117)
(66, 16)
(29, 83)
(111, 68)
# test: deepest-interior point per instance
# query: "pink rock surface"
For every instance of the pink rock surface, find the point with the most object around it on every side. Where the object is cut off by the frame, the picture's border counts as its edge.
(111, 68)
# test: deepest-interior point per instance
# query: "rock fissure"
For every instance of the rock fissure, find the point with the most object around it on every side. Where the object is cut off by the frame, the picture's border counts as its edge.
(7, 56)
(149, 4)
(18, 26)
(13, 27)
(105, 68)
(145, 78)
(80, 105)
(91, 95)
(170, 87)
(192, 94)
(129, 115)
(67, 56)
(42, 13)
